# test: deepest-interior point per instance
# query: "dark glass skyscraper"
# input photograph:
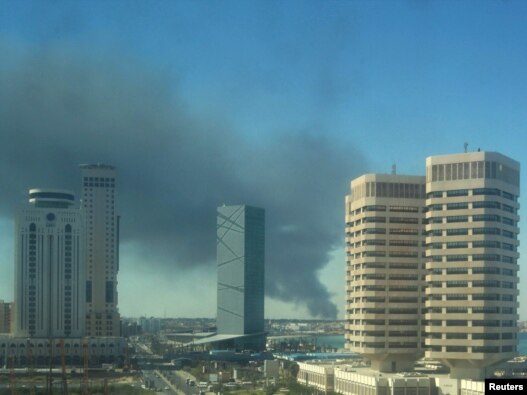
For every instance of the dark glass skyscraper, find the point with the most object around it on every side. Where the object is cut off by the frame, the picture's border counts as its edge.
(240, 241)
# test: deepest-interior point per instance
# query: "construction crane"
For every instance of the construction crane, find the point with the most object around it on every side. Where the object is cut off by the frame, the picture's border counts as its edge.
(50, 373)
(30, 364)
(12, 377)
(105, 389)
(84, 387)
(63, 363)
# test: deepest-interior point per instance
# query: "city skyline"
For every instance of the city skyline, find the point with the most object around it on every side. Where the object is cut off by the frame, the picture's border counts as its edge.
(432, 264)
(273, 104)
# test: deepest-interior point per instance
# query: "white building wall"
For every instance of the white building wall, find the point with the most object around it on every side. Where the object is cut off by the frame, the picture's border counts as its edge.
(49, 271)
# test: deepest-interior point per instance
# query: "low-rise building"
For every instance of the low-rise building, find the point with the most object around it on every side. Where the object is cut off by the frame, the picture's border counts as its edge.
(318, 375)
(6, 316)
(354, 379)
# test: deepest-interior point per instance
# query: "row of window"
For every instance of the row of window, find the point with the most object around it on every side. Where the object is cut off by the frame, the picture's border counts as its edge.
(394, 209)
(473, 170)
(475, 257)
(389, 189)
(471, 284)
(474, 205)
(464, 244)
(483, 296)
(474, 323)
(469, 218)
(474, 270)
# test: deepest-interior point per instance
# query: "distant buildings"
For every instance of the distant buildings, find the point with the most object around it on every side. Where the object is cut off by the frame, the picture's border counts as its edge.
(66, 265)
(50, 270)
(99, 200)
(150, 325)
(6, 316)
(442, 264)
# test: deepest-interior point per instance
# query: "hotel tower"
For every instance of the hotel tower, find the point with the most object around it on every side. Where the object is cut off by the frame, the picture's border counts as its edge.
(464, 313)
(102, 249)
(49, 267)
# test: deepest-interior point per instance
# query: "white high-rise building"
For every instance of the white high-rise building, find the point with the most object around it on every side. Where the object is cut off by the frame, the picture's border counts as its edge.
(385, 269)
(465, 312)
(102, 252)
(49, 268)
(472, 260)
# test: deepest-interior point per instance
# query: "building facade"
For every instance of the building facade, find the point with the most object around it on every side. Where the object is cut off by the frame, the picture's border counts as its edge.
(385, 269)
(50, 266)
(99, 199)
(464, 313)
(6, 314)
(472, 260)
(240, 245)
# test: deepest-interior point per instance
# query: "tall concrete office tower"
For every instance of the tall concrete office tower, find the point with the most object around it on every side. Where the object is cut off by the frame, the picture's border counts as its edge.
(50, 266)
(102, 252)
(240, 258)
(471, 260)
(385, 269)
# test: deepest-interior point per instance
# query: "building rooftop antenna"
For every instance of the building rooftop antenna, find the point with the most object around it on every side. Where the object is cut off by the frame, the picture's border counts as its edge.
(466, 147)
(394, 169)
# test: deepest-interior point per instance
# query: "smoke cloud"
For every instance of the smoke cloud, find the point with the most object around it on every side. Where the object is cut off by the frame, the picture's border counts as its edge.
(61, 106)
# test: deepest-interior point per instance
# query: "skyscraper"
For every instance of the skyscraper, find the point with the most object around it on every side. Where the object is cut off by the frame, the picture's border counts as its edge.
(240, 245)
(469, 217)
(50, 266)
(385, 269)
(102, 250)
(471, 260)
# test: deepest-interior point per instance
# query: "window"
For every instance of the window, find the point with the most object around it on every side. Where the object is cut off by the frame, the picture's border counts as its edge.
(457, 244)
(457, 232)
(404, 209)
(457, 206)
(109, 291)
(88, 291)
(486, 244)
(485, 231)
(485, 257)
(457, 258)
(486, 191)
(402, 231)
(457, 192)
(485, 204)
(403, 220)
(457, 218)
(508, 221)
(485, 217)
(435, 194)
(374, 220)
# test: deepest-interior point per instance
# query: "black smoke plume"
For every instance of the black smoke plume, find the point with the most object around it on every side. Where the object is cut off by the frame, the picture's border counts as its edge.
(61, 106)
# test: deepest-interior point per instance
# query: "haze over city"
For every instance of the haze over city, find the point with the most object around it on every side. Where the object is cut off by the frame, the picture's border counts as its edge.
(276, 104)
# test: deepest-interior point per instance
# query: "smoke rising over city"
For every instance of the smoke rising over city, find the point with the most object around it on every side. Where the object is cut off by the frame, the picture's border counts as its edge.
(61, 106)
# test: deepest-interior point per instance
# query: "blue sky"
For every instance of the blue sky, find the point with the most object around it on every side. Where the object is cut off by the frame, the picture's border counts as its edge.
(394, 80)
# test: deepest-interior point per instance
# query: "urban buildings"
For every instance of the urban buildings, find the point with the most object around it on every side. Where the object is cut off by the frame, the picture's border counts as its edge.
(465, 312)
(49, 268)
(102, 250)
(471, 260)
(385, 269)
(240, 241)
(6, 316)
(149, 325)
